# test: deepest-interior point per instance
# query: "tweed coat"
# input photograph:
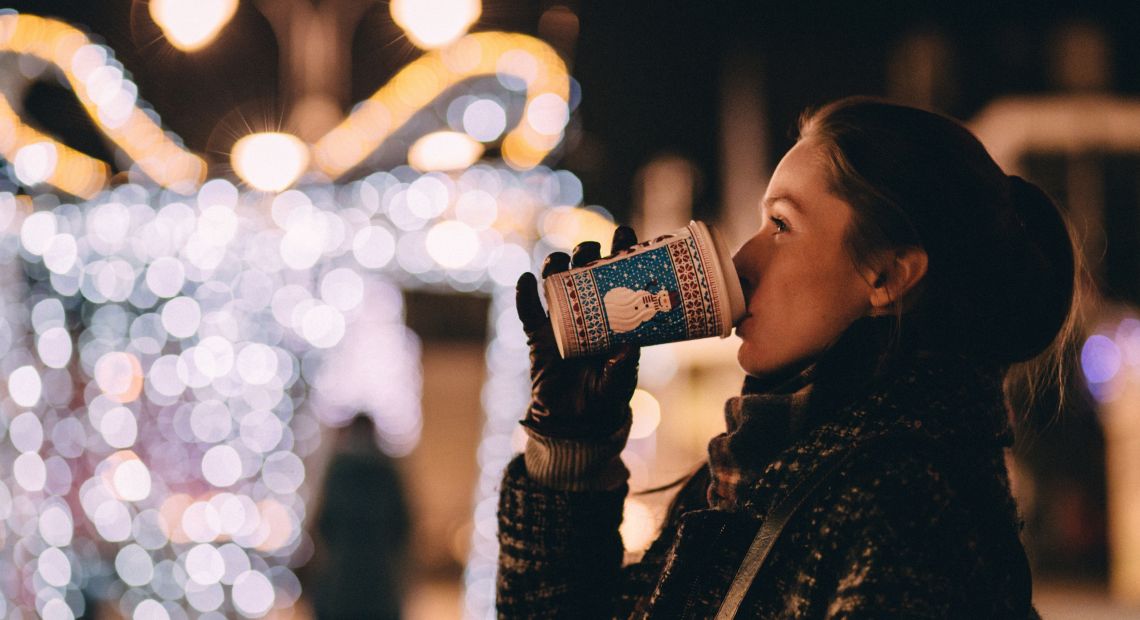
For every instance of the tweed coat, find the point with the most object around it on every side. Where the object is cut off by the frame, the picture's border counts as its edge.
(896, 533)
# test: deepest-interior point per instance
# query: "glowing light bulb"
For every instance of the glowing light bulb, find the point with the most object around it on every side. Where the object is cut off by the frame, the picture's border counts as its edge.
(444, 150)
(190, 25)
(435, 23)
(270, 161)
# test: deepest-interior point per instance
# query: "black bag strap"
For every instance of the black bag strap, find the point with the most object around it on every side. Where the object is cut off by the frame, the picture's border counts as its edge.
(770, 530)
(773, 526)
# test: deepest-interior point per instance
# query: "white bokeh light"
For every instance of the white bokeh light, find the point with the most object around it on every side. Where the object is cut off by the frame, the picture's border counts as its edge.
(54, 347)
(54, 567)
(26, 432)
(257, 364)
(214, 356)
(270, 161)
(165, 276)
(342, 289)
(435, 23)
(29, 471)
(188, 25)
(25, 386)
(221, 466)
(35, 163)
(134, 565)
(204, 564)
(131, 480)
(201, 522)
(548, 114)
(113, 521)
(61, 253)
(57, 609)
(150, 609)
(323, 326)
(452, 244)
(261, 431)
(210, 421)
(181, 316)
(253, 594)
(485, 120)
(56, 525)
(283, 472)
(119, 428)
(373, 247)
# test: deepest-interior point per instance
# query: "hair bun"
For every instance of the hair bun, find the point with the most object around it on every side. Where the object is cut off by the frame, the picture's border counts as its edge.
(1042, 271)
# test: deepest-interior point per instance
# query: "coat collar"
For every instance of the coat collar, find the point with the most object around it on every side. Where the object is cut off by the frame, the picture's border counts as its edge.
(852, 391)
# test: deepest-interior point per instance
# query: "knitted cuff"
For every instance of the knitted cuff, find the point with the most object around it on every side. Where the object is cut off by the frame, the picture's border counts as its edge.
(577, 465)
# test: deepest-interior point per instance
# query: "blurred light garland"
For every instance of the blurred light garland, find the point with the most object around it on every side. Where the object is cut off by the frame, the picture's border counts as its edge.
(109, 97)
(171, 355)
(521, 63)
(170, 362)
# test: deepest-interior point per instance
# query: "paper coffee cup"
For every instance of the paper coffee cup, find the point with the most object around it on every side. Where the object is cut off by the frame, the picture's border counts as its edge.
(679, 286)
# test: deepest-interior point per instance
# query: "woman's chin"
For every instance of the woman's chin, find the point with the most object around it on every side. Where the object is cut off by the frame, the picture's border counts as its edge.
(751, 360)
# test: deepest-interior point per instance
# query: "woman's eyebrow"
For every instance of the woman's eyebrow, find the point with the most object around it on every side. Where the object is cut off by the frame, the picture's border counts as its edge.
(770, 200)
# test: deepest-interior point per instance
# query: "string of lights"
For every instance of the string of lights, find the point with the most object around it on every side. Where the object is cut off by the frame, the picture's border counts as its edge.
(173, 347)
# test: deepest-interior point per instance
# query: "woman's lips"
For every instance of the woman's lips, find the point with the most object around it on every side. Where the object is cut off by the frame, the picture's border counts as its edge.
(740, 324)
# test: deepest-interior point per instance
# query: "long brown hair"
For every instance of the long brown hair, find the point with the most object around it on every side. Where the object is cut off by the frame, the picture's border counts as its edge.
(1001, 284)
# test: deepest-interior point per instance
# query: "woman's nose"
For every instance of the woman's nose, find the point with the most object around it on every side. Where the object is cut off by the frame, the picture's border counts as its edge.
(747, 263)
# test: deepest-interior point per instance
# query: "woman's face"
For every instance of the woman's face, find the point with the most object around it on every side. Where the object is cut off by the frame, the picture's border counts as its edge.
(801, 286)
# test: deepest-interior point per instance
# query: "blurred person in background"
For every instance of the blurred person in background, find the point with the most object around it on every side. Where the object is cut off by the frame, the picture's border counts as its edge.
(360, 565)
(898, 279)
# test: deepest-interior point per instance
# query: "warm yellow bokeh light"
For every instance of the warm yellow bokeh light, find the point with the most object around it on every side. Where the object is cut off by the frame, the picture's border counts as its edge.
(444, 150)
(646, 414)
(435, 23)
(638, 526)
(564, 227)
(270, 161)
(521, 58)
(190, 25)
(109, 99)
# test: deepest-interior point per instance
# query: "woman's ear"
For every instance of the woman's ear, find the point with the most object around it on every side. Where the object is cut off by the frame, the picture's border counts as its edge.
(897, 276)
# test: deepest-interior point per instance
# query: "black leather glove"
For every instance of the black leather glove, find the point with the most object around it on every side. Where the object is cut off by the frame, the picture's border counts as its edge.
(582, 397)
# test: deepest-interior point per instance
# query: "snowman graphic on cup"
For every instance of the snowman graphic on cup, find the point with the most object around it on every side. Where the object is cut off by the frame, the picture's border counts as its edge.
(627, 308)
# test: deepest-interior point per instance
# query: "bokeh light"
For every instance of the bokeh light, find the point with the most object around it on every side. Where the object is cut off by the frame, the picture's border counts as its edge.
(270, 161)
(646, 414)
(208, 335)
(444, 150)
(190, 25)
(435, 23)
(109, 98)
(1100, 359)
(176, 353)
(638, 526)
(1110, 358)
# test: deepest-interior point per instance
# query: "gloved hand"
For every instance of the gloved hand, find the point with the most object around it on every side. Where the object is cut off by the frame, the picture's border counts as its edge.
(582, 397)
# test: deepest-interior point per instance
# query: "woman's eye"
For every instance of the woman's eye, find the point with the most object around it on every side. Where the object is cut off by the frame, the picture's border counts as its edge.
(781, 225)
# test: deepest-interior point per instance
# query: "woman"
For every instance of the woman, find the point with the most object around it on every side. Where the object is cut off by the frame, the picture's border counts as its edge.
(897, 276)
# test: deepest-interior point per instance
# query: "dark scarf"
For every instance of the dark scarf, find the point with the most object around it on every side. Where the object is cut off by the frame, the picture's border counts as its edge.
(861, 384)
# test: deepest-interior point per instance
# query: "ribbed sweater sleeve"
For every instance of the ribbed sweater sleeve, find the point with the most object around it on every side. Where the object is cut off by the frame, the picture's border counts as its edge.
(559, 551)
(575, 464)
